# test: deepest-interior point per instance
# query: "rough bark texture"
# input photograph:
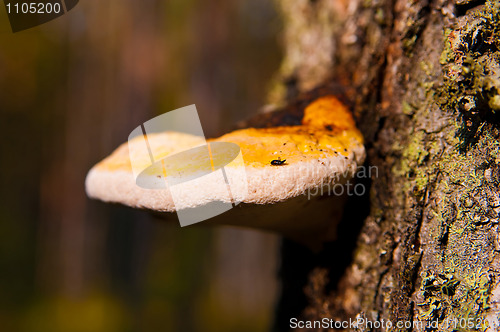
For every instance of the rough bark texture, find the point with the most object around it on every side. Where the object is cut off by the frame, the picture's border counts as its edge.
(423, 78)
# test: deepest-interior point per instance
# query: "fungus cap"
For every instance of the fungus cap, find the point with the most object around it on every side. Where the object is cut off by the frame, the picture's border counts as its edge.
(293, 198)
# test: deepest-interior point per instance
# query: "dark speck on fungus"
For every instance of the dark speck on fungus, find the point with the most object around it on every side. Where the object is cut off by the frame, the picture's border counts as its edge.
(278, 162)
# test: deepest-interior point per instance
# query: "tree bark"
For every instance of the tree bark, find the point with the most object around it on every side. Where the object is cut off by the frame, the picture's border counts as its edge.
(423, 80)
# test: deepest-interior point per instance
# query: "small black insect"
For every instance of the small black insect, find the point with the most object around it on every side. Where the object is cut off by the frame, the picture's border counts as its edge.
(278, 162)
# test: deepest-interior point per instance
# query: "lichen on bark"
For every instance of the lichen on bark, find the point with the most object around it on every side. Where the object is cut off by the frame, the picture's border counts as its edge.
(424, 82)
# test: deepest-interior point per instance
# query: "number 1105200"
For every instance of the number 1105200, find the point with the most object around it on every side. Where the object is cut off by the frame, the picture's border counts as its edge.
(34, 8)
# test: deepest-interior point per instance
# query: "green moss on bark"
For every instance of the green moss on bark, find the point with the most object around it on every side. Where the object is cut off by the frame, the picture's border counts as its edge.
(447, 169)
(471, 63)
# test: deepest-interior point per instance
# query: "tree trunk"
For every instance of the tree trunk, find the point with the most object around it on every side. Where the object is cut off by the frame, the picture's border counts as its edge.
(423, 78)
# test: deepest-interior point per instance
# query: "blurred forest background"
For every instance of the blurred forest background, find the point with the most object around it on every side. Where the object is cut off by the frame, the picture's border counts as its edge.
(71, 91)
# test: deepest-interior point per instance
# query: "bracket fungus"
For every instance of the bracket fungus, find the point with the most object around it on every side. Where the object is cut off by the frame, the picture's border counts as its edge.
(295, 174)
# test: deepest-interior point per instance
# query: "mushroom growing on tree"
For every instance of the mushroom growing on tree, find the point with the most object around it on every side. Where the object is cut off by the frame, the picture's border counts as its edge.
(297, 170)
